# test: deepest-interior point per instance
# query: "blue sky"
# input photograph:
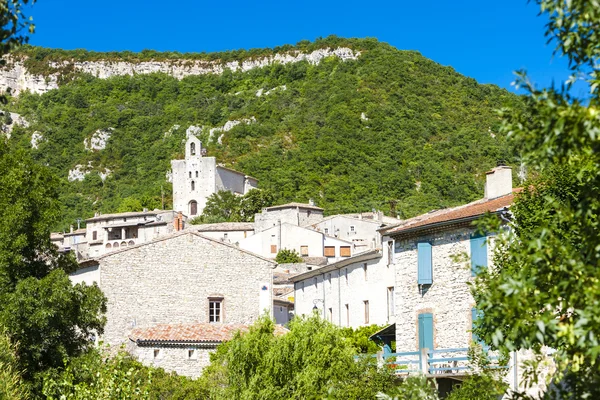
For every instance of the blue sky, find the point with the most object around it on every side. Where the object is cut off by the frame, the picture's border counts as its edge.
(486, 40)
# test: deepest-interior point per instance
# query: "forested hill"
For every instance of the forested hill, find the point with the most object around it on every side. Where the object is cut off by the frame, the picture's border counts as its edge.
(390, 127)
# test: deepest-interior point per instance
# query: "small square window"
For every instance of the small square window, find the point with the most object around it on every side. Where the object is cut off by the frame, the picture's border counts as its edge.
(225, 235)
(326, 230)
(191, 354)
(352, 228)
(156, 353)
(304, 251)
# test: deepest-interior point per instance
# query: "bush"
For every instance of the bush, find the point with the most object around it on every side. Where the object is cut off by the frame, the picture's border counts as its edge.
(286, 256)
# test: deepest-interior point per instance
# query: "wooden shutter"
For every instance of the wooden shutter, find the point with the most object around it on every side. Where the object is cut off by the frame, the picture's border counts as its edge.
(344, 251)
(478, 254)
(304, 251)
(273, 248)
(425, 275)
(426, 331)
(329, 251)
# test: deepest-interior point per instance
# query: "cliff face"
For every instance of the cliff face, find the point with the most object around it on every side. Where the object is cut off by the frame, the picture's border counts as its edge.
(17, 78)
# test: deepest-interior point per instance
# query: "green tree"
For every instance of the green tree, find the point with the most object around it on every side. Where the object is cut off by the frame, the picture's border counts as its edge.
(129, 204)
(11, 383)
(253, 202)
(287, 256)
(41, 310)
(223, 206)
(312, 360)
(544, 290)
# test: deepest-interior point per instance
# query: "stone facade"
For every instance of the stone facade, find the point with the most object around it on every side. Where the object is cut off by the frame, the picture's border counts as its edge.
(448, 298)
(197, 177)
(171, 280)
(188, 360)
(292, 213)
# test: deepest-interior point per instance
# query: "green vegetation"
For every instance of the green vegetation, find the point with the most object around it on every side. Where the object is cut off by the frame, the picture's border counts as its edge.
(426, 136)
(225, 206)
(287, 256)
(544, 290)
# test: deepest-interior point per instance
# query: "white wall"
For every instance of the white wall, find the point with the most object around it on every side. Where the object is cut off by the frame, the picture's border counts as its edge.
(87, 275)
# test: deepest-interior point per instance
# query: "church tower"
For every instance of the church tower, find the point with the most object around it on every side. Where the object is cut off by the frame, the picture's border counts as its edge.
(198, 176)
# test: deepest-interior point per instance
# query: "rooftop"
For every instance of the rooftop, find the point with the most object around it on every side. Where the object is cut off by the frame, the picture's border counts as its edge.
(132, 214)
(191, 333)
(294, 205)
(224, 226)
(449, 215)
(360, 257)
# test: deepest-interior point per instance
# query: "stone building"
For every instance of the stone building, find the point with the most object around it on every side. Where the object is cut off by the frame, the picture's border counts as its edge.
(353, 292)
(197, 177)
(435, 256)
(183, 348)
(184, 277)
(229, 232)
(298, 214)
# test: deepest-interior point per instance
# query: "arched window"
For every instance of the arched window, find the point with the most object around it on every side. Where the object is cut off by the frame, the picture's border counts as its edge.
(116, 245)
(193, 207)
(193, 148)
(123, 244)
(108, 246)
(131, 242)
(193, 185)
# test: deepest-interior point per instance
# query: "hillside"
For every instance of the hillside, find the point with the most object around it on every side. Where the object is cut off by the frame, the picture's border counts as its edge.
(370, 128)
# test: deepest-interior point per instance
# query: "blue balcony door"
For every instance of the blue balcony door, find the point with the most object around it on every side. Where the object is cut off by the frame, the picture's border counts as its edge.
(426, 331)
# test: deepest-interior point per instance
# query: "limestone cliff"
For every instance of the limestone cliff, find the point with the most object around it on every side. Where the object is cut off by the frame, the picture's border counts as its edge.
(16, 77)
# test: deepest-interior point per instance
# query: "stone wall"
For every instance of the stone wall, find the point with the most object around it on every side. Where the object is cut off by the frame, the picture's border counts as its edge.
(448, 298)
(170, 281)
(185, 360)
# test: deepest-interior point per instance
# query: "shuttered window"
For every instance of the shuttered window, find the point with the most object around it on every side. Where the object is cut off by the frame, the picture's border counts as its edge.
(329, 251)
(273, 248)
(425, 275)
(426, 331)
(478, 254)
(344, 251)
(304, 251)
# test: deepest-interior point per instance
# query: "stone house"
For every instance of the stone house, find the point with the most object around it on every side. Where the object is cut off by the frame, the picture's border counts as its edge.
(435, 256)
(184, 277)
(197, 177)
(298, 214)
(229, 232)
(352, 292)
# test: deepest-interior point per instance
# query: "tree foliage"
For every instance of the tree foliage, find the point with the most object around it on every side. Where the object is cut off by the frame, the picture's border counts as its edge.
(424, 141)
(312, 360)
(225, 206)
(11, 382)
(545, 291)
(287, 256)
(50, 318)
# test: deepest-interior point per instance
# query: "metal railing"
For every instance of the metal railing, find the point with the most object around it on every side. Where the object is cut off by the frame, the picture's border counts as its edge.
(439, 361)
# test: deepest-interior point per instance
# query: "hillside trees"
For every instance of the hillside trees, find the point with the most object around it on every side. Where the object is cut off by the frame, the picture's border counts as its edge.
(225, 206)
(545, 290)
(41, 310)
(389, 127)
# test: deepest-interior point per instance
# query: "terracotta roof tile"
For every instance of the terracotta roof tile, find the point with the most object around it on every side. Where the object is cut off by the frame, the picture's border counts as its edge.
(192, 333)
(474, 209)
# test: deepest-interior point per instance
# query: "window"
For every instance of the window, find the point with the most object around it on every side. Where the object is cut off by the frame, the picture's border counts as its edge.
(304, 251)
(330, 314)
(365, 271)
(191, 354)
(193, 149)
(347, 315)
(193, 185)
(329, 251)
(390, 249)
(352, 228)
(326, 230)
(390, 302)
(94, 235)
(193, 207)
(196, 174)
(190, 174)
(366, 305)
(273, 249)
(344, 251)
(426, 331)
(108, 245)
(225, 235)
(156, 353)
(425, 275)
(478, 254)
(215, 310)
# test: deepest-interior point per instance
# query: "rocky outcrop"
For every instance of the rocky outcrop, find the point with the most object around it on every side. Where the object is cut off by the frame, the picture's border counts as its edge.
(16, 77)
(98, 139)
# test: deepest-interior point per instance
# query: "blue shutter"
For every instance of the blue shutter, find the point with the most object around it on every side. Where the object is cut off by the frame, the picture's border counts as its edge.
(426, 331)
(475, 315)
(478, 254)
(425, 276)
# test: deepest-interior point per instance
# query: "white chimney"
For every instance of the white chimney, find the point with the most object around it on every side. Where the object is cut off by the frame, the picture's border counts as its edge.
(498, 182)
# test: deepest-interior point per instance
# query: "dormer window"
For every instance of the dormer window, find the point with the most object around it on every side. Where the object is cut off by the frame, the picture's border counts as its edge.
(193, 148)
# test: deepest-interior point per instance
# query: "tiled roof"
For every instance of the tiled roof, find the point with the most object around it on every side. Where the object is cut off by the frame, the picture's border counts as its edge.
(281, 277)
(294, 205)
(471, 210)
(224, 227)
(282, 291)
(191, 333)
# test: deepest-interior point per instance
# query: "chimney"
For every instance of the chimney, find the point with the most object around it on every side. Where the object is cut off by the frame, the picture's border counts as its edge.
(498, 182)
(71, 228)
(311, 202)
(178, 221)
(145, 210)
